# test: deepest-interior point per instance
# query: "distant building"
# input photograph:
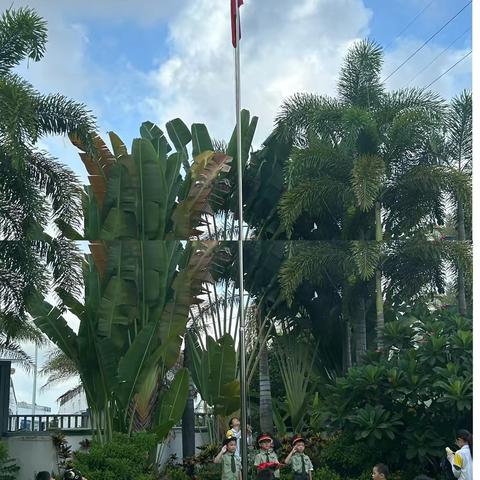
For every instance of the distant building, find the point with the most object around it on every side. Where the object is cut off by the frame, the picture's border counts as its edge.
(73, 402)
(24, 408)
(12, 405)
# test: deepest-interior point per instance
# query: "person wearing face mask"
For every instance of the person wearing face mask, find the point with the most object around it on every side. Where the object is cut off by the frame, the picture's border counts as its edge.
(462, 459)
(302, 466)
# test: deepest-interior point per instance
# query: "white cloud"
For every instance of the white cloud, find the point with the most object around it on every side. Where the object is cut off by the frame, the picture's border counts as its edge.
(448, 86)
(286, 47)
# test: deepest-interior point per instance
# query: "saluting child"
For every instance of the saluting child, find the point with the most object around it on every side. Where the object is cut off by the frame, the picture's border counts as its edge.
(266, 453)
(302, 466)
(231, 465)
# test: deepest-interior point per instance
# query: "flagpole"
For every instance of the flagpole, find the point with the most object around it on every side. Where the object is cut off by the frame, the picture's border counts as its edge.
(243, 386)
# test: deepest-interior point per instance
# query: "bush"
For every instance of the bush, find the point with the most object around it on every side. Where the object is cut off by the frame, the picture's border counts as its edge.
(8, 468)
(347, 457)
(175, 473)
(124, 458)
(405, 403)
(325, 473)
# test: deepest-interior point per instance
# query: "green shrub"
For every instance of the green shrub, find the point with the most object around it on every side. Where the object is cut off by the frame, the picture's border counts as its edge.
(208, 471)
(8, 468)
(124, 458)
(325, 473)
(405, 403)
(175, 473)
(345, 456)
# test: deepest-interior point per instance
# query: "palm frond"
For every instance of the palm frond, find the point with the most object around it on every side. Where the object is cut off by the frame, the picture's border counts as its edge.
(367, 180)
(14, 351)
(58, 115)
(59, 367)
(312, 198)
(459, 124)
(366, 256)
(317, 262)
(23, 34)
(59, 184)
(400, 101)
(359, 82)
(304, 114)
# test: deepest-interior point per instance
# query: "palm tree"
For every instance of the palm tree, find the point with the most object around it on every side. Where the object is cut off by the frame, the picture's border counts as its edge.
(458, 155)
(36, 189)
(364, 166)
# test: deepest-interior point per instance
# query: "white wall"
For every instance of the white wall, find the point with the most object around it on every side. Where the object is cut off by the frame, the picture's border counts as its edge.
(34, 453)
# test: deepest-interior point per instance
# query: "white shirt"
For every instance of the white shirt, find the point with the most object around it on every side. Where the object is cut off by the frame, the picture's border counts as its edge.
(462, 464)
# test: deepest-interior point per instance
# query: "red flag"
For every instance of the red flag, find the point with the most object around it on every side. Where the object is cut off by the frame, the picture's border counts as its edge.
(233, 17)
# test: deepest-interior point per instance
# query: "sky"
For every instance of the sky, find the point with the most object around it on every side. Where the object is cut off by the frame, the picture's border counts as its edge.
(132, 61)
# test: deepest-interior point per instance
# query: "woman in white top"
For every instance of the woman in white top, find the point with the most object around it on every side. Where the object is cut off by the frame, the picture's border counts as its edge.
(462, 459)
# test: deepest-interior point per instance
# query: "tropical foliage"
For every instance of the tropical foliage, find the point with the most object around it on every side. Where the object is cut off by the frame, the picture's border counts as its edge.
(139, 285)
(8, 468)
(124, 458)
(36, 189)
(405, 405)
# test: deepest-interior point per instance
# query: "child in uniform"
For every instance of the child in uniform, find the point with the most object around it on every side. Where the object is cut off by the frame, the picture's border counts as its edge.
(302, 466)
(231, 465)
(266, 453)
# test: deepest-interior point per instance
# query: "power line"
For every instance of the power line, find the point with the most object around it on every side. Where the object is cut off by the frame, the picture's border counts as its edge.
(428, 40)
(446, 71)
(409, 24)
(439, 55)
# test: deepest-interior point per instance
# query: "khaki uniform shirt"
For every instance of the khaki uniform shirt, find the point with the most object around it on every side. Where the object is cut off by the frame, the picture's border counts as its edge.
(297, 463)
(261, 457)
(227, 473)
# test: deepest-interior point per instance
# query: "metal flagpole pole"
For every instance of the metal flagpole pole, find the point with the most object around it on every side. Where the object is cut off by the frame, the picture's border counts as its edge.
(243, 386)
(34, 393)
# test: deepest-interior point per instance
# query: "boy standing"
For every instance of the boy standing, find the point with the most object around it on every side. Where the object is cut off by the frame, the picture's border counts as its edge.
(266, 453)
(231, 465)
(302, 466)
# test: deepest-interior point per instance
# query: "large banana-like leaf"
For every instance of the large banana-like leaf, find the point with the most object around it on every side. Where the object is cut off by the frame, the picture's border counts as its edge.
(172, 403)
(160, 340)
(98, 167)
(214, 372)
(179, 134)
(200, 139)
(204, 171)
(49, 319)
(152, 188)
(118, 293)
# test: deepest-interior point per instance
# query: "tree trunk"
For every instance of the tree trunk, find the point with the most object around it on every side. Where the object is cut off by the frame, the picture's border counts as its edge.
(462, 303)
(378, 279)
(188, 418)
(266, 409)
(360, 331)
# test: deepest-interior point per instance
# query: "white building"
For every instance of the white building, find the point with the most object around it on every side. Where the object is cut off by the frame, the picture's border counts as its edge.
(12, 405)
(73, 402)
(24, 408)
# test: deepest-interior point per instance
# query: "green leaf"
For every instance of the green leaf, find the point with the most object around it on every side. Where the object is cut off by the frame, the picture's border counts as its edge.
(179, 134)
(172, 403)
(201, 139)
(50, 321)
(117, 293)
(367, 176)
